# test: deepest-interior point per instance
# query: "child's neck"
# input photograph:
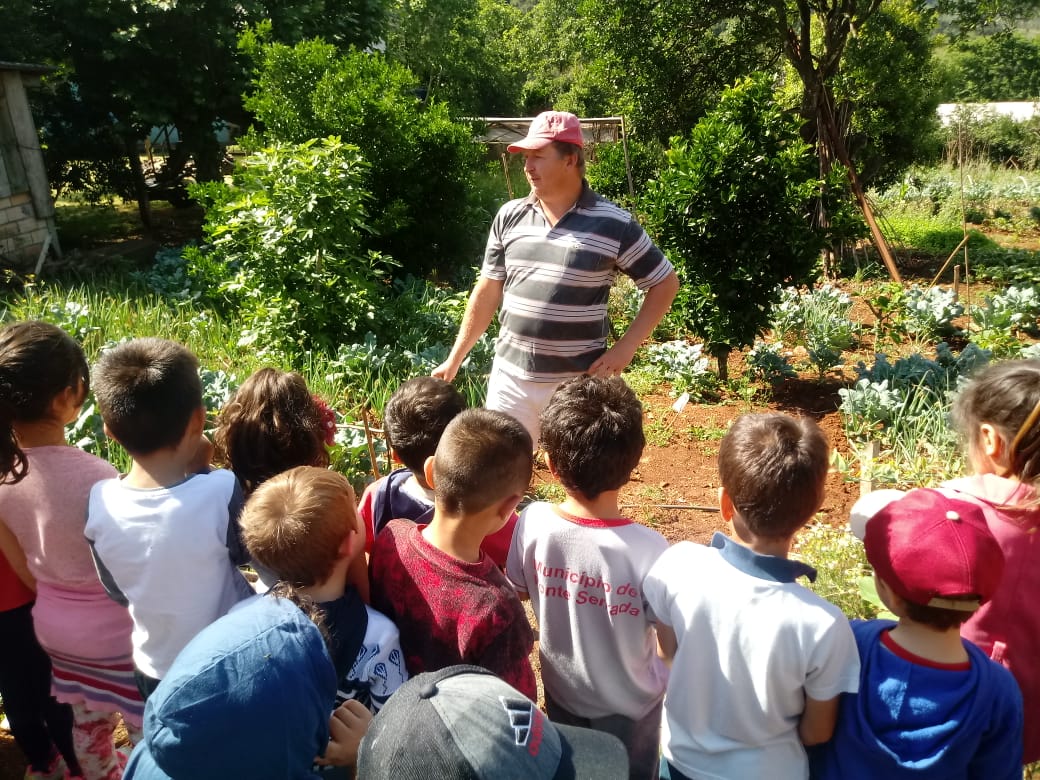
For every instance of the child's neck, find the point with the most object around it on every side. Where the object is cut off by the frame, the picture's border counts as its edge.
(329, 590)
(459, 536)
(766, 545)
(156, 470)
(45, 432)
(602, 507)
(941, 646)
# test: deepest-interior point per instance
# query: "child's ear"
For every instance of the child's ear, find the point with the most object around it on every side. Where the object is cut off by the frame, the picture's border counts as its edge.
(549, 465)
(350, 545)
(726, 508)
(428, 471)
(508, 505)
(991, 443)
(393, 456)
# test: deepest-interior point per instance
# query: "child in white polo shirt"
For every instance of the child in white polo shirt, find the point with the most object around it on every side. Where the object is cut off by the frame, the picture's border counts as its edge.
(758, 661)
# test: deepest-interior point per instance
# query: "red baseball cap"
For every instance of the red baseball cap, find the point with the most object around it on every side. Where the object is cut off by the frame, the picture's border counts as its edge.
(930, 548)
(550, 126)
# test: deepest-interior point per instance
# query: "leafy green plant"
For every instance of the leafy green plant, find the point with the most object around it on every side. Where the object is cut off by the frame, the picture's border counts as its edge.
(904, 406)
(818, 319)
(929, 312)
(1007, 265)
(739, 187)
(767, 361)
(1003, 317)
(289, 234)
(1032, 352)
(840, 563)
(684, 366)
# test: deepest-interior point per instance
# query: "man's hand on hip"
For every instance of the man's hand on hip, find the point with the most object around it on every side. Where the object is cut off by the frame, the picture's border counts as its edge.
(613, 361)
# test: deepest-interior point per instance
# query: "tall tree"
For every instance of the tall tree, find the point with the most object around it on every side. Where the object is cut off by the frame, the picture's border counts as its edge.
(970, 15)
(459, 50)
(158, 62)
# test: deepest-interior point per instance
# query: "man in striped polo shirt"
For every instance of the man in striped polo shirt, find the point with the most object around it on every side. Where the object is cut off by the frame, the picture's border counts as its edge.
(550, 262)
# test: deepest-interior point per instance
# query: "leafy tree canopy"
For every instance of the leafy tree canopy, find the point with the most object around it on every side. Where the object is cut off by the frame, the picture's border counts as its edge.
(422, 162)
(733, 210)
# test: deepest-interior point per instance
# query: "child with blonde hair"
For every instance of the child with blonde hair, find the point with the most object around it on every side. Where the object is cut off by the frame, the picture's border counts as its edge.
(302, 526)
(45, 487)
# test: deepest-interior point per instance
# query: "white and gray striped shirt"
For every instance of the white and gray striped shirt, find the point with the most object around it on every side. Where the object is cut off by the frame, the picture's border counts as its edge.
(558, 278)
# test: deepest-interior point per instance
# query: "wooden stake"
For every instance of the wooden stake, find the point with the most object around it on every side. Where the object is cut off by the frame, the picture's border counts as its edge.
(505, 170)
(866, 460)
(371, 444)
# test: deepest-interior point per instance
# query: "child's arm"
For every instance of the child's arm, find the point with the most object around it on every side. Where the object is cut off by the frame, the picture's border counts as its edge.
(818, 719)
(667, 644)
(11, 550)
(347, 728)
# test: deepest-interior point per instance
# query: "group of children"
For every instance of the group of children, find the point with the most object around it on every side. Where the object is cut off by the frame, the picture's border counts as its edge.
(699, 661)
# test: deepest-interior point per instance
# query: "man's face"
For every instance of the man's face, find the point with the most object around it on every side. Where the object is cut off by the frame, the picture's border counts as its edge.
(549, 172)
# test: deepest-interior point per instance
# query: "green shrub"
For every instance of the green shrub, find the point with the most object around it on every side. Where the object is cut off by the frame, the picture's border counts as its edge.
(288, 235)
(607, 174)
(422, 164)
(732, 210)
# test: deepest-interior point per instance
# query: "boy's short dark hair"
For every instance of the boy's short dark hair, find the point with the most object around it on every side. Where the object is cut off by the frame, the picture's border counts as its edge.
(295, 522)
(415, 418)
(774, 468)
(147, 391)
(592, 431)
(484, 456)
(936, 617)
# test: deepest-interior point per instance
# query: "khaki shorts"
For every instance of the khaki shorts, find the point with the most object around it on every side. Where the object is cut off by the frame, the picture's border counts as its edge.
(521, 398)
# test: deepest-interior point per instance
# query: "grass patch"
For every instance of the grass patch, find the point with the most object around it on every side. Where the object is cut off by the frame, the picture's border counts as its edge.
(82, 225)
(705, 433)
(659, 432)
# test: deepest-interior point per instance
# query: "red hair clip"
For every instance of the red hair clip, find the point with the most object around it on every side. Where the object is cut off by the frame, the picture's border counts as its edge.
(328, 420)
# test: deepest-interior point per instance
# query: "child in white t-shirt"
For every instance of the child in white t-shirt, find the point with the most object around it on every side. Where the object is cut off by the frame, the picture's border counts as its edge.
(582, 563)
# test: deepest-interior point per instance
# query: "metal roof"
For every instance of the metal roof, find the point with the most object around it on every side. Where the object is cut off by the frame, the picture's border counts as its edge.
(27, 67)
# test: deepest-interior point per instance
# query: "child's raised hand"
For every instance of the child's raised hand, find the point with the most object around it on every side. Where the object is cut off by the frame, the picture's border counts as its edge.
(347, 727)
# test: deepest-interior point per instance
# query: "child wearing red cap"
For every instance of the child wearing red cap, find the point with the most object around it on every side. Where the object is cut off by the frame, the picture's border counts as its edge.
(930, 704)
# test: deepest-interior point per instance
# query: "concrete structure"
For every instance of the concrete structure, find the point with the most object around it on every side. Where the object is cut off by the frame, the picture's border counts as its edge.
(1020, 111)
(27, 229)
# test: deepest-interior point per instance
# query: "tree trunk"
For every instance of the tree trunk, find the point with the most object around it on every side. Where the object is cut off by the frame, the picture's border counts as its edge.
(144, 201)
(721, 354)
